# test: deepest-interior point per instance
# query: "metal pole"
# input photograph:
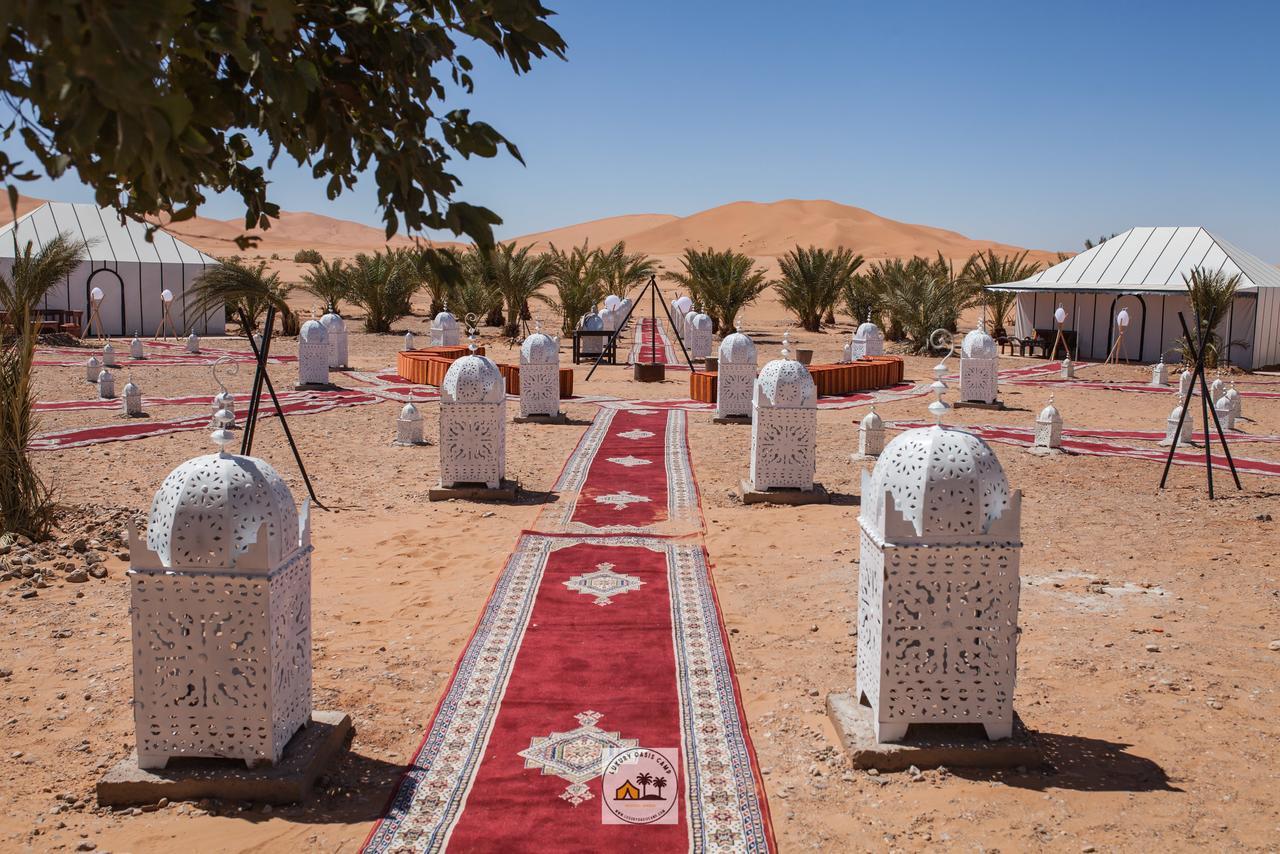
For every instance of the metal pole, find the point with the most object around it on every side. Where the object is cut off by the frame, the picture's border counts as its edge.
(1186, 404)
(1222, 438)
(653, 326)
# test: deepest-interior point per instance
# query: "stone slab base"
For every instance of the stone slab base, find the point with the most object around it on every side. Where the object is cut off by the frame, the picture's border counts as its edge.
(541, 419)
(1046, 452)
(473, 492)
(998, 406)
(397, 443)
(927, 745)
(751, 495)
(863, 458)
(731, 419)
(314, 387)
(314, 748)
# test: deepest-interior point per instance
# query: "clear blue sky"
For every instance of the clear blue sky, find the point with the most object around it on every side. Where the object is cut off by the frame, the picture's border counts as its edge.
(1033, 123)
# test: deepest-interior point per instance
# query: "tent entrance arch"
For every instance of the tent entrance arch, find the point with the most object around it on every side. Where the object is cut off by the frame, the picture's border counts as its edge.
(89, 286)
(1142, 325)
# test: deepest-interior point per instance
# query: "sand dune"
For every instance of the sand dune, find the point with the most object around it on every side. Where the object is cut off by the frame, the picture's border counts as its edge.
(598, 232)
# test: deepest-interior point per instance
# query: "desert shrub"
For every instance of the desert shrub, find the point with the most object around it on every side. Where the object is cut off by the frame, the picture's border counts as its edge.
(307, 256)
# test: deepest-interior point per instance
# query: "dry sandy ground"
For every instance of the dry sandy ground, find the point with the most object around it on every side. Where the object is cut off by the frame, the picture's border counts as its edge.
(1177, 748)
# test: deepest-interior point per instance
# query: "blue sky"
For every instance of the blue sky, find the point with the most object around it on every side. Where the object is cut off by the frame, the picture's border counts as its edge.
(1033, 123)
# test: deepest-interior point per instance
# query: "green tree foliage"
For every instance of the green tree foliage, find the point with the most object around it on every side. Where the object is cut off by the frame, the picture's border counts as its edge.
(438, 270)
(578, 278)
(246, 292)
(623, 270)
(1210, 293)
(721, 284)
(26, 505)
(382, 285)
(327, 282)
(813, 280)
(517, 277)
(922, 295)
(983, 270)
(475, 296)
(152, 103)
(307, 256)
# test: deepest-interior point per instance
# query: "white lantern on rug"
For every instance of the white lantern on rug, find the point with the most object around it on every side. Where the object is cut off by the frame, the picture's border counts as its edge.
(136, 350)
(1185, 379)
(1068, 369)
(313, 354)
(700, 336)
(938, 518)
(106, 385)
(408, 341)
(591, 345)
(540, 375)
(686, 326)
(1049, 427)
(736, 375)
(132, 398)
(193, 343)
(221, 613)
(1160, 373)
(409, 426)
(871, 434)
(979, 370)
(867, 340)
(1234, 397)
(109, 356)
(1171, 428)
(473, 406)
(91, 369)
(1217, 389)
(784, 425)
(444, 330)
(1226, 417)
(337, 332)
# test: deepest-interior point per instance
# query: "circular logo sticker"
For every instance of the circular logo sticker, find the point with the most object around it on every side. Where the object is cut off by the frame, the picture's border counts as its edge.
(640, 786)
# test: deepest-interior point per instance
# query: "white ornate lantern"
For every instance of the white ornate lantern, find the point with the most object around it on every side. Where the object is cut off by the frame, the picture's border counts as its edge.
(700, 336)
(609, 316)
(1185, 379)
(938, 585)
(444, 330)
(109, 356)
(871, 434)
(1234, 397)
(91, 369)
(784, 426)
(540, 375)
(1049, 427)
(1217, 389)
(1160, 373)
(313, 354)
(132, 400)
(408, 341)
(409, 426)
(624, 309)
(473, 442)
(686, 325)
(591, 345)
(136, 350)
(979, 381)
(221, 613)
(1225, 416)
(1060, 315)
(106, 385)
(736, 375)
(1171, 427)
(193, 343)
(867, 340)
(337, 332)
(1068, 369)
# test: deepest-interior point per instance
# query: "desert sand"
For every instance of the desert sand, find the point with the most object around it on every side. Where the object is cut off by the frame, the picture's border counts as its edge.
(1143, 663)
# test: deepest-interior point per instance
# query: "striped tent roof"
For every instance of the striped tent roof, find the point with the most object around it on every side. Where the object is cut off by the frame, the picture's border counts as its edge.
(108, 239)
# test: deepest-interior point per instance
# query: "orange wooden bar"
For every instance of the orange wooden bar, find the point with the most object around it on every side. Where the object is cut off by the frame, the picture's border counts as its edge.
(511, 373)
(429, 365)
(831, 380)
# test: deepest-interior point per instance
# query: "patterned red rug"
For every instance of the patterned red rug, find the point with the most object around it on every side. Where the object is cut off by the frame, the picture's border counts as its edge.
(651, 345)
(588, 642)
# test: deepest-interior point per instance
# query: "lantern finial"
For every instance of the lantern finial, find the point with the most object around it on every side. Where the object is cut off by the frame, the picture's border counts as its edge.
(786, 344)
(939, 408)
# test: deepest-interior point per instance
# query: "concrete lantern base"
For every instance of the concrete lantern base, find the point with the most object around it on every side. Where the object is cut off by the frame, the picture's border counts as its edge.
(309, 753)
(750, 495)
(506, 491)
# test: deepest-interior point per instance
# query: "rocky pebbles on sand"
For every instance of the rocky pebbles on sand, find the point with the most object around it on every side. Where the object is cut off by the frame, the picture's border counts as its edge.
(84, 538)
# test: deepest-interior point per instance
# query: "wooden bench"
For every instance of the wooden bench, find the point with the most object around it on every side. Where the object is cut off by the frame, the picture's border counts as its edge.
(865, 374)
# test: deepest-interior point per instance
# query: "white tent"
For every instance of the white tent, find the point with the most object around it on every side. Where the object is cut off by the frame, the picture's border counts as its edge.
(1141, 270)
(131, 271)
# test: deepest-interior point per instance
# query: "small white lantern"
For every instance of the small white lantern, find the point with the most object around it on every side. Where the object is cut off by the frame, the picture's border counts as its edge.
(473, 440)
(609, 318)
(1185, 379)
(1122, 319)
(1068, 369)
(91, 369)
(106, 385)
(1234, 397)
(979, 368)
(871, 434)
(96, 295)
(612, 301)
(1171, 428)
(313, 355)
(1225, 416)
(700, 336)
(591, 345)
(136, 350)
(1060, 315)
(193, 342)
(1049, 428)
(337, 332)
(409, 426)
(408, 341)
(784, 425)
(540, 375)
(444, 330)
(735, 375)
(109, 356)
(1217, 389)
(683, 305)
(867, 340)
(1160, 374)
(221, 614)
(166, 295)
(132, 400)
(686, 326)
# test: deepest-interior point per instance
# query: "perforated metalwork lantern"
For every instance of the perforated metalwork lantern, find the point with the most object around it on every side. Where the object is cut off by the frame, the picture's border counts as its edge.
(136, 350)
(540, 375)
(867, 340)
(336, 330)
(1185, 379)
(473, 442)
(938, 585)
(444, 330)
(592, 344)
(221, 614)
(871, 434)
(1226, 417)
(701, 336)
(193, 343)
(106, 385)
(784, 427)
(1068, 369)
(409, 426)
(313, 354)
(1171, 427)
(735, 375)
(91, 369)
(408, 341)
(1217, 389)
(1234, 396)
(1160, 374)
(109, 356)
(132, 400)
(1049, 427)
(979, 369)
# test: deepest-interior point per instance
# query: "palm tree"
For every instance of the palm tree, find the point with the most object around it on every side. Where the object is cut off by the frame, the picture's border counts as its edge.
(327, 282)
(1210, 294)
(813, 280)
(517, 278)
(644, 780)
(382, 284)
(26, 505)
(623, 271)
(659, 783)
(436, 269)
(578, 277)
(246, 292)
(720, 283)
(984, 270)
(475, 295)
(922, 295)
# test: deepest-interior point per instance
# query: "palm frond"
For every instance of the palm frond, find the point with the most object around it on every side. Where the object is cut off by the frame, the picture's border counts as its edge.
(578, 278)
(721, 284)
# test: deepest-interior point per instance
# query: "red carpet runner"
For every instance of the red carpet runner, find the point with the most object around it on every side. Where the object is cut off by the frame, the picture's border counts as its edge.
(592, 640)
(651, 344)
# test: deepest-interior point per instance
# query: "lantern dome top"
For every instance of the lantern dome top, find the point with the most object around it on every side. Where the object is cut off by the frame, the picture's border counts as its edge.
(313, 332)
(93, 361)
(409, 412)
(212, 509)
(130, 388)
(1049, 413)
(701, 322)
(943, 482)
(540, 349)
(978, 345)
(445, 320)
(473, 379)
(737, 349)
(591, 322)
(332, 322)
(867, 329)
(872, 420)
(786, 383)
